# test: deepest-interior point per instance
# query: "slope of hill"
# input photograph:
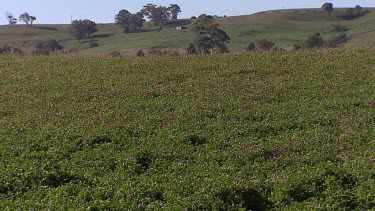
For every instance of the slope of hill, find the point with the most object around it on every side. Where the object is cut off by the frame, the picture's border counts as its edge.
(284, 27)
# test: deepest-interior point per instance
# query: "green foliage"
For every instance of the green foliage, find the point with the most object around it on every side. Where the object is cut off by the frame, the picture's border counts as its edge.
(338, 28)
(140, 53)
(264, 45)
(158, 14)
(47, 47)
(174, 9)
(130, 22)
(191, 49)
(336, 40)
(250, 47)
(312, 41)
(210, 38)
(328, 7)
(352, 13)
(82, 29)
(25, 17)
(270, 130)
(115, 54)
(93, 44)
(5, 49)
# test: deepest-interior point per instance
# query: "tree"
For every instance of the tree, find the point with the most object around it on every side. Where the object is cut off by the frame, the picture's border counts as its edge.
(327, 7)
(210, 38)
(130, 22)
(48, 46)
(82, 29)
(159, 15)
(174, 9)
(11, 19)
(25, 17)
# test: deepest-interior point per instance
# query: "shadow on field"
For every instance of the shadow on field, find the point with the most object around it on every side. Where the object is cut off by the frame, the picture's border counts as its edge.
(101, 36)
(46, 28)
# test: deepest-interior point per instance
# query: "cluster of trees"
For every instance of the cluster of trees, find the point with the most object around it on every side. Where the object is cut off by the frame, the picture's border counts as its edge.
(130, 22)
(159, 15)
(355, 12)
(82, 29)
(210, 39)
(24, 17)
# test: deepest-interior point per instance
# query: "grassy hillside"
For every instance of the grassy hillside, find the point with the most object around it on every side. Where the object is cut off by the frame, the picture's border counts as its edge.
(285, 27)
(266, 131)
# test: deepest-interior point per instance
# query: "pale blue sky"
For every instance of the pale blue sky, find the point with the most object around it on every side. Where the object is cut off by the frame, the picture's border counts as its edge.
(103, 11)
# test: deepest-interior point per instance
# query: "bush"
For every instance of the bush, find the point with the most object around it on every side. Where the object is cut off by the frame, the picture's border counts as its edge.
(140, 53)
(46, 47)
(250, 47)
(115, 54)
(191, 49)
(5, 49)
(94, 44)
(336, 40)
(312, 41)
(155, 52)
(264, 45)
(338, 28)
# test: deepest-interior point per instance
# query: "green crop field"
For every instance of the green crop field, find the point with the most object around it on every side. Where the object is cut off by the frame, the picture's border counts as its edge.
(284, 27)
(263, 131)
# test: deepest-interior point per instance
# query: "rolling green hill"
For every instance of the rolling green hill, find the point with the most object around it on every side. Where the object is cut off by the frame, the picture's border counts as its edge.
(284, 27)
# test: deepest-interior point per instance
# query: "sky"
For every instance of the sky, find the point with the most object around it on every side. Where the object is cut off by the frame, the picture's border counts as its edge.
(104, 11)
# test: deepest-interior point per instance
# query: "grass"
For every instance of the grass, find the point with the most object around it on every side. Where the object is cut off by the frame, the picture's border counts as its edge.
(263, 131)
(284, 27)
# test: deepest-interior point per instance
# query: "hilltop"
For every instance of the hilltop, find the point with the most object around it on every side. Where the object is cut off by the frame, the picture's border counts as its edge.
(284, 27)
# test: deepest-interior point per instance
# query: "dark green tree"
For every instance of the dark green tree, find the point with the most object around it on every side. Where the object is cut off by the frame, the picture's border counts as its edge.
(82, 29)
(328, 7)
(174, 9)
(210, 39)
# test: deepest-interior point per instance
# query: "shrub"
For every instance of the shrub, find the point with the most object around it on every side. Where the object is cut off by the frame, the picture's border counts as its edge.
(155, 52)
(94, 44)
(46, 47)
(115, 54)
(191, 49)
(312, 41)
(264, 45)
(140, 53)
(5, 49)
(250, 47)
(338, 28)
(336, 40)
